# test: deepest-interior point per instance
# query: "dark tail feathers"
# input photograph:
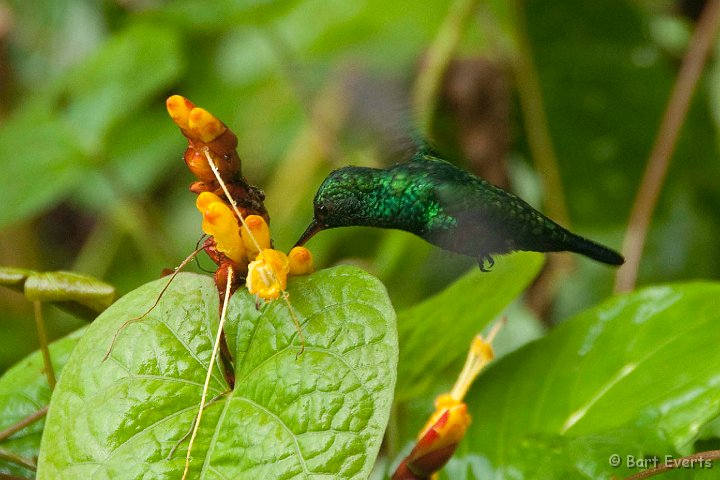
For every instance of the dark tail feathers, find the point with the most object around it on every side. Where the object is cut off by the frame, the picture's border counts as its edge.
(583, 246)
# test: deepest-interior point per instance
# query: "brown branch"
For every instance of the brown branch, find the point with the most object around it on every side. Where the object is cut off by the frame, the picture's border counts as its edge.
(710, 455)
(439, 55)
(540, 295)
(659, 160)
(11, 457)
(33, 417)
(536, 123)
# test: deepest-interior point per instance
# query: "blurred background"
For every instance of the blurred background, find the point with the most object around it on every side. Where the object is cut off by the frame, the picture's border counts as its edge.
(92, 173)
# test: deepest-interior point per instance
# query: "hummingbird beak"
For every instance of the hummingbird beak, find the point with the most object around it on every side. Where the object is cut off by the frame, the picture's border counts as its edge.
(311, 230)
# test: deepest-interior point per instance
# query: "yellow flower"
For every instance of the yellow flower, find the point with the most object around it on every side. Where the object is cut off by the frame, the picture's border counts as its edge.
(220, 222)
(204, 126)
(179, 109)
(257, 234)
(301, 261)
(267, 275)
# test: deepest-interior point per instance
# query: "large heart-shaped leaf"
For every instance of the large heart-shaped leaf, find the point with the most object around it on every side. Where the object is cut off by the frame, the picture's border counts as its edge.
(24, 391)
(319, 414)
(637, 376)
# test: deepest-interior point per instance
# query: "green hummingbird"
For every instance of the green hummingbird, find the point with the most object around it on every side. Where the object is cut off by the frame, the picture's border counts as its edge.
(445, 206)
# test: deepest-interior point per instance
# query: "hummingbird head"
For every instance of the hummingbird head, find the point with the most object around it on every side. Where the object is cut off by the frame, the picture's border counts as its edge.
(338, 202)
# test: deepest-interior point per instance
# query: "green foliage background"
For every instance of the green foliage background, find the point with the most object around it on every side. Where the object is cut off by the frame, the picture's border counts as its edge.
(93, 179)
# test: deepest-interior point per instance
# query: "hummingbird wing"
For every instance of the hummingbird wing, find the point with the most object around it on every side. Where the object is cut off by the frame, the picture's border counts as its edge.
(490, 220)
(473, 217)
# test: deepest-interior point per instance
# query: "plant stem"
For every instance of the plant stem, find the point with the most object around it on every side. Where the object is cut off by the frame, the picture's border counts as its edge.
(536, 123)
(17, 459)
(668, 133)
(206, 386)
(23, 423)
(438, 58)
(42, 338)
(540, 295)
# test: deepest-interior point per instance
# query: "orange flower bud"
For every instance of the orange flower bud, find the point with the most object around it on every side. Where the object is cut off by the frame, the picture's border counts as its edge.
(220, 222)
(301, 261)
(204, 126)
(198, 165)
(267, 275)
(179, 109)
(436, 444)
(200, 187)
(257, 234)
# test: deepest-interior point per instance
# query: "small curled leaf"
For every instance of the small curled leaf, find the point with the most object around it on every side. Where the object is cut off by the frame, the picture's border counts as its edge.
(78, 294)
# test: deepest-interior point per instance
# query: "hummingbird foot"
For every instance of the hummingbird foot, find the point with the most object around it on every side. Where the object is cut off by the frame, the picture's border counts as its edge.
(481, 262)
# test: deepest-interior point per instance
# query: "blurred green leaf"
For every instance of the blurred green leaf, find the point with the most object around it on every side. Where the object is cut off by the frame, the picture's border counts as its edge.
(23, 391)
(135, 171)
(322, 413)
(438, 331)
(199, 15)
(605, 85)
(52, 143)
(43, 161)
(130, 69)
(638, 375)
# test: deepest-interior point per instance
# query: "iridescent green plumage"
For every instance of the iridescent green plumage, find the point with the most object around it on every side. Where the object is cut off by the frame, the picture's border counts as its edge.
(447, 207)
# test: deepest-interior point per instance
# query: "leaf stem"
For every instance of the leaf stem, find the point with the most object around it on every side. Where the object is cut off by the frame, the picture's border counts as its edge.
(33, 417)
(17, 459)
(213, 356)
(438, 58)
(42, 338)
(661, 154)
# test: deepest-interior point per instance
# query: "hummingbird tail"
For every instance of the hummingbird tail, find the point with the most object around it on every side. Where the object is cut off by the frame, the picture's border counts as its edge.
(583, 246)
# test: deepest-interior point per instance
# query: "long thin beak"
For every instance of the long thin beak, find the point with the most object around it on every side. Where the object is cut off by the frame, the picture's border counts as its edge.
(311, 230)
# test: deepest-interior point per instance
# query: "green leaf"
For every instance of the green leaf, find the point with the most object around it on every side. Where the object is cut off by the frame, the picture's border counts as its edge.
(319, 414)
(78, 294)
(122, 76)
(638, 375)
(197, 14)
(605, 84)
(83, 295)
(43, 162)
(437, 332)
(14, 278)
(24, 391)
(55, 137)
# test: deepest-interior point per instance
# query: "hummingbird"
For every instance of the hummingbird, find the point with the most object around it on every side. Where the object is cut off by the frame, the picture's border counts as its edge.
(446, 206)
